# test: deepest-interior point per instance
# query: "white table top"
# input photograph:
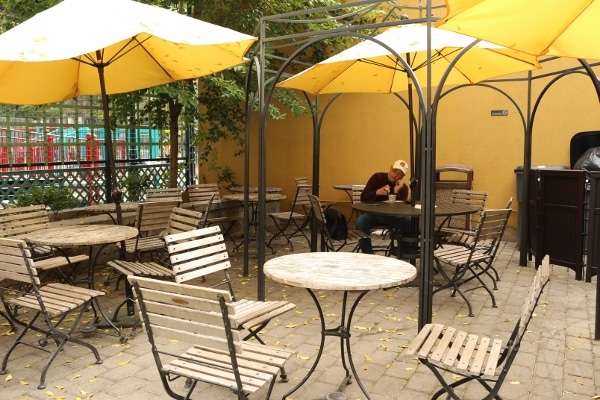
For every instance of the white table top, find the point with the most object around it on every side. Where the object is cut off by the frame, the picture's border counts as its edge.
(81, 235)
(339, 271)
(253, 197)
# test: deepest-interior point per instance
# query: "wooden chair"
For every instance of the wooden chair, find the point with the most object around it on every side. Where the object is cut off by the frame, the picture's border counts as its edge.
(381, 233)
(17, 222)
(471, 263)
(445, 349)
(457, 229)
(296, 219)
(327, 242)
(52, 304)
(180, 220)
(152, 218)
(209, 320)
(164, 194)
(194, 255)
(207, 197)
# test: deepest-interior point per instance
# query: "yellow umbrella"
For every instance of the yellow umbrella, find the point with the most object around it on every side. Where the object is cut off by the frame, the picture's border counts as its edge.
(100, 47)
(549, 27)
(56, 54)
(370, 68)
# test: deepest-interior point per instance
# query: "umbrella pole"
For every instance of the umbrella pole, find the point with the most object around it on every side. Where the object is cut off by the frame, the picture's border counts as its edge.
(115, 192)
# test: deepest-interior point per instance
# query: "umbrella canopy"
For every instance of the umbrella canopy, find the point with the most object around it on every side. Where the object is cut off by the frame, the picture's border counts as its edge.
(101, 47)
(553, 27)
(55, 55)
(370, 68)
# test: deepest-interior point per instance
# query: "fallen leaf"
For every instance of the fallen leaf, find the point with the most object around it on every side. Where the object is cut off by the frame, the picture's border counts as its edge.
(368, 357)
(8, 377)
(302, 357)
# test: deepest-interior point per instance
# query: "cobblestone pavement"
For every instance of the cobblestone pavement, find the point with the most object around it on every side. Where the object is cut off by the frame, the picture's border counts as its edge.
(556, 361)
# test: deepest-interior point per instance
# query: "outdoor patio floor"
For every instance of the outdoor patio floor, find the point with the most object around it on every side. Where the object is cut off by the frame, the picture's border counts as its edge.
(556, 361)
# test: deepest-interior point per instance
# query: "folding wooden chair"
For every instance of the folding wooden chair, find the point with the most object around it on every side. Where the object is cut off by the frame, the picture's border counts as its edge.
(327, 242)
(164, 194)
(471, 263)
(17, 222)
(53, 303)
(470, 357)
(296, 219)
(180, 220)
(197, 253)
(209, 320)
(458, 229)
(152, 218)
(206, 196)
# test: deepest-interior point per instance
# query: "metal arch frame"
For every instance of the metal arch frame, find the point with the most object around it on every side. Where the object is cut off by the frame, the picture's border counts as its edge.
(428, 146)
(265, 99)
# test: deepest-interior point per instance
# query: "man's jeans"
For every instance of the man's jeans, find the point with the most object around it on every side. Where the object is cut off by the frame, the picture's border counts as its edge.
(368, 221)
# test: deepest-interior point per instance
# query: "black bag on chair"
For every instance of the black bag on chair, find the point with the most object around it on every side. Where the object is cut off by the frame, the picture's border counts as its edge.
(336, 224)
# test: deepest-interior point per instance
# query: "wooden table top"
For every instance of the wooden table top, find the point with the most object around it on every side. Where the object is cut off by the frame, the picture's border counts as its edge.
(339, 271)
(81, 235)
(253, 197)
(399, 208)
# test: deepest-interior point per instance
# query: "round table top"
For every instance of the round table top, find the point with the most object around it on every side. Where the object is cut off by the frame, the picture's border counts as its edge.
(254, 189)
(339, 271)
(404, 209)
(346, 187)
(81, 235)
(110, 208)
(254, 197)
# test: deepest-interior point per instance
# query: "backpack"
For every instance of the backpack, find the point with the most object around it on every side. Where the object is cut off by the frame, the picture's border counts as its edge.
(336, 224)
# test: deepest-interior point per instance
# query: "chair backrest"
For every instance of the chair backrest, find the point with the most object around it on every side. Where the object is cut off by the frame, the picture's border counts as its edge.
(197, 253)
(356, 192)
(16, 262)
(153, 216)
(540, 280)
(490, 230)
(472, 198)
(188, 313)
(183, 220)
(19, 221)
(303, 189)
(202, 193)
(164, 194)
(302, 180)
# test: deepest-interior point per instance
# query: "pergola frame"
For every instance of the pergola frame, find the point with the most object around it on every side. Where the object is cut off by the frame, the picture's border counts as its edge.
(271, 69)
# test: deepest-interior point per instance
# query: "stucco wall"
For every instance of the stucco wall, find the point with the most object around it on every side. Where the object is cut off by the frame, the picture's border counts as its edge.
(363, 133)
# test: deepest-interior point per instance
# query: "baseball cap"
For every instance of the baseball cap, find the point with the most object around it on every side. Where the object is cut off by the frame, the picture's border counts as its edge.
(401, 165)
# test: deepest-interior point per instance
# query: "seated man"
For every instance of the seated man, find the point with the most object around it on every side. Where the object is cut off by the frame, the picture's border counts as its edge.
(379, 186)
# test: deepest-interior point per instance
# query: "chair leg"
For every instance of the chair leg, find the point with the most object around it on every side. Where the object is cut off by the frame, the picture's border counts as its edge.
(452, 282)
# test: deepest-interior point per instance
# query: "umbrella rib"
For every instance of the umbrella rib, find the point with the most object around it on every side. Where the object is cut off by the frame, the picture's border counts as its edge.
(124, 50)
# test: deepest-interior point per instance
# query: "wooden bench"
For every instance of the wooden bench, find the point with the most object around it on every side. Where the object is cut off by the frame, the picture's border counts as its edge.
(473, 357)
(207, 319)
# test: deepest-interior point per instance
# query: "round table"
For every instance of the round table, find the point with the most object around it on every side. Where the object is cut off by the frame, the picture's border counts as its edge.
(399, 208)
(254, 189)
(340, 271)
(84, 235)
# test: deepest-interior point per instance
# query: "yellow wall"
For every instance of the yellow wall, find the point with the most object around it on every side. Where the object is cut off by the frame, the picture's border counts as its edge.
(363, 133)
